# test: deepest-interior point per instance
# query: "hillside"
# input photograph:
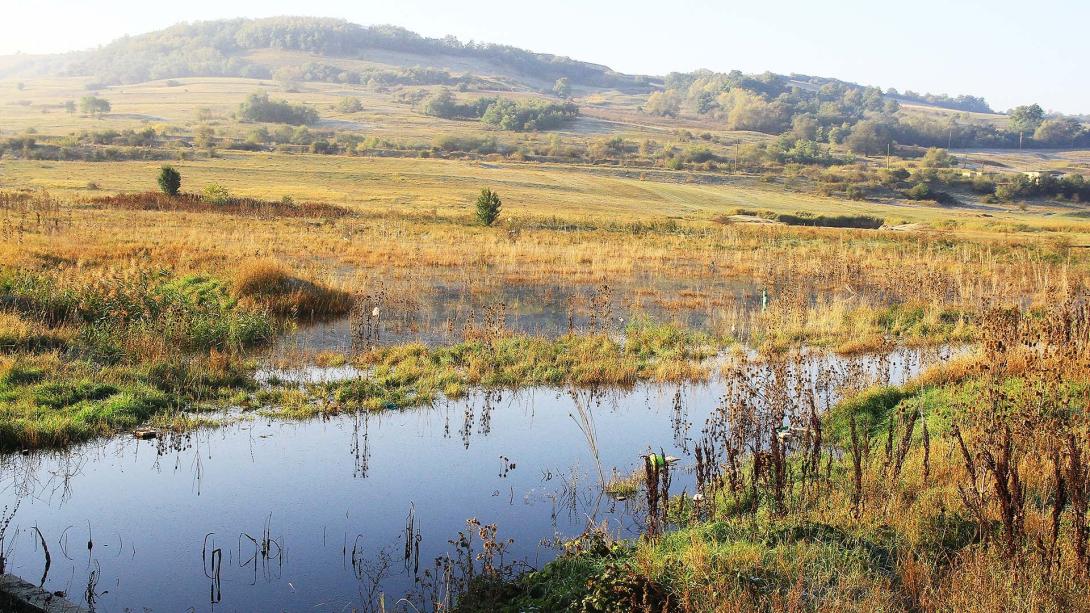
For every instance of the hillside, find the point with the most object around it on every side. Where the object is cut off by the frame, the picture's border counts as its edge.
(818, 119)
(224, 48)
(241, 48)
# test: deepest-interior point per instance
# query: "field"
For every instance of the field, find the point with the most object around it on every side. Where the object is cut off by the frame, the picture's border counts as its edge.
(818, 482)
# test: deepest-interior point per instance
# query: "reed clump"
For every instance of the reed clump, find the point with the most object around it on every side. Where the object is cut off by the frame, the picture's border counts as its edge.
(269, 284)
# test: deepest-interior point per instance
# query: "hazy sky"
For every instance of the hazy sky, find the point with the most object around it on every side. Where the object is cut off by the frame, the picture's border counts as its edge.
(1010, 52)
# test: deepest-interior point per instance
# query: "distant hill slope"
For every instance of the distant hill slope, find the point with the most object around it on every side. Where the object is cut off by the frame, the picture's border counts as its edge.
(339, 51)
(221, 48)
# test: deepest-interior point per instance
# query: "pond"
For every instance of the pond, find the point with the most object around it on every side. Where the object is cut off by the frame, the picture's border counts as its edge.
(439, 312)
(262, 514)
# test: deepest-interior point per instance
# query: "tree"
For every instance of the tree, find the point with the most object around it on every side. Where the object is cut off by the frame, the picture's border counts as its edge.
(170, 180)
(666, 104)
(441, 104)
(1026, 118)
(562, 87)
(205, 138)
(70, 106)
(1058, 131)
(93, 105)
(805, 127)
(868, 137)
(488, 207)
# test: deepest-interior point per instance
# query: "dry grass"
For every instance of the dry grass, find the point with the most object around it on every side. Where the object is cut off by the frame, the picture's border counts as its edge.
(193, 203)
(269, 284)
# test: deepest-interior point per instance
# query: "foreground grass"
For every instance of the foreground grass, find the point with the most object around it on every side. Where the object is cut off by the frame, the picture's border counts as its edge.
(87, 355)
(51, 401)
(913, 548)
(969, 496)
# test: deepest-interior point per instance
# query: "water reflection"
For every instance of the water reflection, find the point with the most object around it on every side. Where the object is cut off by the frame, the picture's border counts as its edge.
(366, 509)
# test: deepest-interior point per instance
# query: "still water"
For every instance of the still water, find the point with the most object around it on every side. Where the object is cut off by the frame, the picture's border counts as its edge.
(266, 515)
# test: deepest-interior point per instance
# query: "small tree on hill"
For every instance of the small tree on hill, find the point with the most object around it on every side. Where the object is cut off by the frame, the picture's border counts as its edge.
(170, 181)
(488, 207)
(93, 105)
(562, 87)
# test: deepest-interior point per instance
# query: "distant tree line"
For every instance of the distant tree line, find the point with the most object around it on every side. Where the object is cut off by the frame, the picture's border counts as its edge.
(971, 104)
(503, 113)
(328, 73)
(1021, 187)
(864, 119)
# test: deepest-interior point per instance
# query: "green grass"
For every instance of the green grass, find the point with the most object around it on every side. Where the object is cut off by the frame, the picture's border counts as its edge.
(83, 357)
(816, 555)
(415, 374)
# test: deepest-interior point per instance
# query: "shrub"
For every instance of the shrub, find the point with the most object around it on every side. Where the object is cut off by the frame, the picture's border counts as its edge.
(450, 142)
(922, 191)
(349, 104)
(531, 115)
(938, 158)
(983, 185)
(854, 192)
(258, 107)
(214, 193)
(919, 191)
(488, 207)
(170, 181)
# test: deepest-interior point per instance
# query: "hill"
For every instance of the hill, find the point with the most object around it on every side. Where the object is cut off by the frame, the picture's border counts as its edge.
(240, 48)
(408, 69)
(223, 48)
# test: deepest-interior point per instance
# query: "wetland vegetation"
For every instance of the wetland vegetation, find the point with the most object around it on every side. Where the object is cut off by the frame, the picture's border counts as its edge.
(739, 342)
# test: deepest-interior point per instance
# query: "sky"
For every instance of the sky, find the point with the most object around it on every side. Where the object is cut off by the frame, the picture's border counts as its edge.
(1009, 52)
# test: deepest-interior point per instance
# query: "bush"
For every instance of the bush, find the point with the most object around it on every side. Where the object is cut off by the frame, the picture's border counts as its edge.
(531, 115)
(983, 185)
(258, 107)
(854, 192)
(214, 193)
(919, 191)
(450, 142)
(922, 191)
(488, 207)
(349, 104)
(938, 158)
(170, 181)
(501, 113)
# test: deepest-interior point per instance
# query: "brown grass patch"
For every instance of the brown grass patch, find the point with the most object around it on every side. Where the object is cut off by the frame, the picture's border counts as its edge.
(193, 203)
(270, 284)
